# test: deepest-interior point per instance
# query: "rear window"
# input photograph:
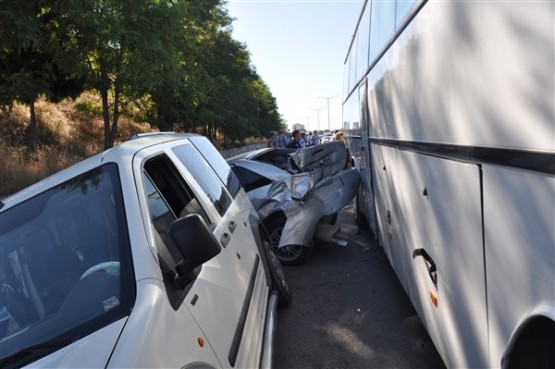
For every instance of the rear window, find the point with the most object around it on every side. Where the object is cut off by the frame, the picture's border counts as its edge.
(249, 179)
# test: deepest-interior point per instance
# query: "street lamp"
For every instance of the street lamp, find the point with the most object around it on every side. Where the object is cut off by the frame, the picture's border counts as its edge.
(318, 111)
(328, 100)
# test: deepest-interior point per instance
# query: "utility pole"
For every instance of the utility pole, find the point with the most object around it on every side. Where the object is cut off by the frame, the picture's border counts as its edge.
(328, 100)
(318, 111)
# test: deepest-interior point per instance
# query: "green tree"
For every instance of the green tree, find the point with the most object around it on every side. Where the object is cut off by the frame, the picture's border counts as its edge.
(36, 57)
(130, 47)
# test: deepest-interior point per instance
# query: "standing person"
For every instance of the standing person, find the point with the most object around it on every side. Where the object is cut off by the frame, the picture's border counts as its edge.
(295, 140)
(303, 141)
(282, 140)
(314, 139)
(338, 136)
(272, 139)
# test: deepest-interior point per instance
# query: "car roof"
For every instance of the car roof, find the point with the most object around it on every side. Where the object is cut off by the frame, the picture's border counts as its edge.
(264, 169)
(121, 154)
(250, 154)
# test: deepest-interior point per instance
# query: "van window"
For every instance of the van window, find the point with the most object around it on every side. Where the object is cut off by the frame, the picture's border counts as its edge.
(168, 198)
(205, 176)
(218, 163)
(172, 191)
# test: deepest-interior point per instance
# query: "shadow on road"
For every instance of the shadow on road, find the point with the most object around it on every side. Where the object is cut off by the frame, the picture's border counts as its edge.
(350, 311)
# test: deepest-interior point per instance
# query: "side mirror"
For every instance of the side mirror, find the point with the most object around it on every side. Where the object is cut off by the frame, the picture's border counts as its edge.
(196, 245)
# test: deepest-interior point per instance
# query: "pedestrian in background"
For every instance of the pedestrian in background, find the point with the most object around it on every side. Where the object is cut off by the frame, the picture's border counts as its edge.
(303, 141)
(314, 139)
(272, 139)
(282, 140)
(338, 136)
(295, 142)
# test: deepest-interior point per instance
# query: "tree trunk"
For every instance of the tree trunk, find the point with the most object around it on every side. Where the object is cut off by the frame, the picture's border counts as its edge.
(104, 88)
(33, 126)
(114, 131)
(106, 118)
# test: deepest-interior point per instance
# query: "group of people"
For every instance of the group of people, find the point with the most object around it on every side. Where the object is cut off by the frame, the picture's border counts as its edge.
(298, 139)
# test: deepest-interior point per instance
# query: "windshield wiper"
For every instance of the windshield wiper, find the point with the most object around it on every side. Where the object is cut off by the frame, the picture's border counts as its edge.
(32, 353)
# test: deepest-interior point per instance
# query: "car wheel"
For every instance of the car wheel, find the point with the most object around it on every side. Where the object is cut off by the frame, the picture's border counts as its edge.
(288, 255)
(277, 276)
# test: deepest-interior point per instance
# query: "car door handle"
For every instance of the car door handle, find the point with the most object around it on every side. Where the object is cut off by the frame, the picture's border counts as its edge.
(231, 226)
(224, 240)
(430, 264)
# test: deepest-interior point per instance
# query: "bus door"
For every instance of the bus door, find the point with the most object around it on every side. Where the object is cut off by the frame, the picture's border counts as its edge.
(388, 214)
(442, 225)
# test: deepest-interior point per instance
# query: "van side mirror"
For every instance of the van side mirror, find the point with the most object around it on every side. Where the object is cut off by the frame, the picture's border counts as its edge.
(195, 243)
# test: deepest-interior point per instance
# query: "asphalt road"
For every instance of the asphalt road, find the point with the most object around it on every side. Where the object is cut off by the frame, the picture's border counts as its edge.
(350, 311)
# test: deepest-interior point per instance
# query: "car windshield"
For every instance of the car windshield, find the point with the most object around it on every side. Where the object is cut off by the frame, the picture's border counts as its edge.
(65, 267)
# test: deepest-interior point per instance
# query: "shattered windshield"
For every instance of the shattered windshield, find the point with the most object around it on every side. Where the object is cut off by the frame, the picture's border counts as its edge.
(65, 267)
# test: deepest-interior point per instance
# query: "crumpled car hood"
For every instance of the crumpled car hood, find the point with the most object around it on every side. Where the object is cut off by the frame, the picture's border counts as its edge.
(323, 188)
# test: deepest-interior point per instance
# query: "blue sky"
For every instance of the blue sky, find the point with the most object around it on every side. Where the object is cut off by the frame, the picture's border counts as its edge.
(298, 48)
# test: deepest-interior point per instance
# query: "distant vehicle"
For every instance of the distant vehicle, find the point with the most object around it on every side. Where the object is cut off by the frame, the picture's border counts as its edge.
(449, 108)
(326, 137)
(294, 191)
(149, 255)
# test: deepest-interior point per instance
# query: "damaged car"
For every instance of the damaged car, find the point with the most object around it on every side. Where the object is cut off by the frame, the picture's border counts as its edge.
(295, 191)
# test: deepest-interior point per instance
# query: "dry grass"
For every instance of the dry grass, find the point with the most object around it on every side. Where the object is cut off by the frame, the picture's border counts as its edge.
(21, 168)
(68, 132)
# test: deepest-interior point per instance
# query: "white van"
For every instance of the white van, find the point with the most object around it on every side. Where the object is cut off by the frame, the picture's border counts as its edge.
(146, 255)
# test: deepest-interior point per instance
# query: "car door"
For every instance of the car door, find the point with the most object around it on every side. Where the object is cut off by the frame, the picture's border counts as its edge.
(232, 285)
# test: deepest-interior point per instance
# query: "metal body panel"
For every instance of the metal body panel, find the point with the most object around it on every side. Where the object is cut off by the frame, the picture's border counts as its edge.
(322, 188)
(440, 205)
(94, 350)
(166, 338)
(519, 211)
(477, 79)
(223, 280)
(469, 73)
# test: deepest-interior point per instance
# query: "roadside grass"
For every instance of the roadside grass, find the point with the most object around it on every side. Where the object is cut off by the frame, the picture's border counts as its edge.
(68, 132)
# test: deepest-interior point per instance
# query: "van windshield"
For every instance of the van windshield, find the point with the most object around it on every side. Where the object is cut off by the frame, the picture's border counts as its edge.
(65, 267)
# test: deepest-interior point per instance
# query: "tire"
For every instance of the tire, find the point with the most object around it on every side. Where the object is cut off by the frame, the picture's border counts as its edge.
(277, 276)
(287, 255)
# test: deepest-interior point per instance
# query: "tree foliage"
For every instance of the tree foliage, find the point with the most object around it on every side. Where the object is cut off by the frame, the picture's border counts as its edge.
(37, 57)
(176, 55)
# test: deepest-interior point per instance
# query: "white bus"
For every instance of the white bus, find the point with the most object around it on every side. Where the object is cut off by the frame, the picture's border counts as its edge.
(449, 107)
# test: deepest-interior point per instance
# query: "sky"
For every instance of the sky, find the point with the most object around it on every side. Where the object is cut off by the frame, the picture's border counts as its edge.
(298, 48)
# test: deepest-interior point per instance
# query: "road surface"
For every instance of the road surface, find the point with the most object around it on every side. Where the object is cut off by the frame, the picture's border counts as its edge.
(349, 311)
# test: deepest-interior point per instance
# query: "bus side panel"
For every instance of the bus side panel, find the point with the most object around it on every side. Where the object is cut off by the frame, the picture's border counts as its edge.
(355, 122)
(519, 218)
(387, 213)
(367, 202)
(441, 219)
(469, 73)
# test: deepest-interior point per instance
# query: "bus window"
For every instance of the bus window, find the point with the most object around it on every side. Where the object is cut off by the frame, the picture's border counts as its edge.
(382, 26)
(353, 64)
(363, 39)
(403, 9)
